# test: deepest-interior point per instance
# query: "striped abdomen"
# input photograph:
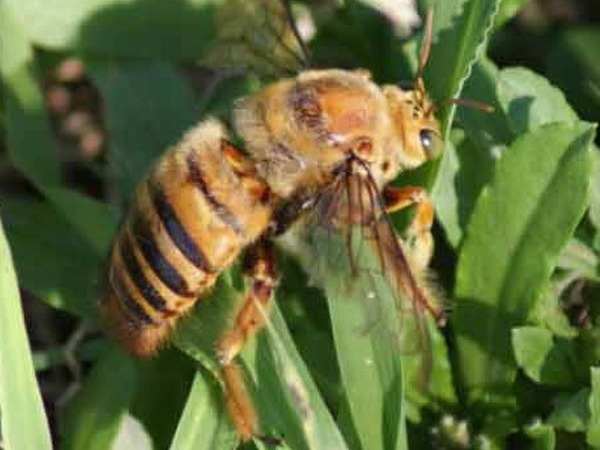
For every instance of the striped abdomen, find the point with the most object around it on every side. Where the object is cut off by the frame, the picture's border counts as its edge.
(189, 220)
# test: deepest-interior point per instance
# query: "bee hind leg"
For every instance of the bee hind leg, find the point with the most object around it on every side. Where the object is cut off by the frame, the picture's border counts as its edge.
(259, 267)
(417, 237)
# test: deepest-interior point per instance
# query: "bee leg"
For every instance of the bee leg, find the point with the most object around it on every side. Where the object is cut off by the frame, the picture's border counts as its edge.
(259, 267)
(418, 239)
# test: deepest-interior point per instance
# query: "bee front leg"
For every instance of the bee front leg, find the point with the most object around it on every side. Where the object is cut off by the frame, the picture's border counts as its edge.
(418, 239)
(259, 267)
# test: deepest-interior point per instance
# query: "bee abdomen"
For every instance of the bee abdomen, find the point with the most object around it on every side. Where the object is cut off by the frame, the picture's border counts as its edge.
(189, 220)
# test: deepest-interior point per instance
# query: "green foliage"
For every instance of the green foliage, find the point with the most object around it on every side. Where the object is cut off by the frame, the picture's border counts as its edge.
(22, 420)
(517, 195)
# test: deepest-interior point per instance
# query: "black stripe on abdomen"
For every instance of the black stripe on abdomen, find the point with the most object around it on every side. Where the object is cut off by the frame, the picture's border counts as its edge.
(160, 265)
(178, 234)
(134, 313)
(137, 276)
(222, 212)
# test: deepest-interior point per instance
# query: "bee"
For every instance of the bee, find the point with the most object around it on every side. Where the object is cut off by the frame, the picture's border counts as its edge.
(325, 143)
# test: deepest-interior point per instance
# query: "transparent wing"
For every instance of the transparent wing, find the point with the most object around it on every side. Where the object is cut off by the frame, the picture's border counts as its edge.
(358, 256)
(259, 37)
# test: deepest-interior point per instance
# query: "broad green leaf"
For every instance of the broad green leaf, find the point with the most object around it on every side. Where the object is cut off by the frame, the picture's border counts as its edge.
(460, 31)
(148, 107)
(56, 265)
(491, 132)
(517, 230)
(204, 424)
(28, 137)
(530, 101)
(543, 358)
(151, 28)
(542, 435)
(593, 431)
(571, 412)
(94, 221)
(485, 137)
(93, 418)
(366, 330)
(22, 419)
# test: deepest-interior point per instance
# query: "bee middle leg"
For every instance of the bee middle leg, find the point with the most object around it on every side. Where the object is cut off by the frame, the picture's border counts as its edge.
(259, 267)
(418, 239)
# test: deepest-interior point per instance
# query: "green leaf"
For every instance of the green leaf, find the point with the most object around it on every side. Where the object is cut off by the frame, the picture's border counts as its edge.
(571, 412)
(93, 418)
(582, 260)
(593, 431)
(28, 137)
(543, 358)
(485, 136)
(517, 230)
(508, 9)
(162, 389)
(490, 132)
(58, 265)
(148, 106)
(543, 436)
(22, 420)
(595, 195)
(461, 28)
(530, 101)
(204, 424)
(94, 221)
(440, 394)
(115, 28)
(286, 392)
(366, 330)
(572, 65)
(445, 196)
(283, 389)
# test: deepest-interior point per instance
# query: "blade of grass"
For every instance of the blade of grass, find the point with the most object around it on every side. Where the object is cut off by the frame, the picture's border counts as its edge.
(279, 376)
(204, 424)
(287, 394)
(22, 419)
(460, 30)
(366, 334)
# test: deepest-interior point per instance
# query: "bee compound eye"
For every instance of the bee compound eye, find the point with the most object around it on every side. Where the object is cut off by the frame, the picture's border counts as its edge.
(431, 142)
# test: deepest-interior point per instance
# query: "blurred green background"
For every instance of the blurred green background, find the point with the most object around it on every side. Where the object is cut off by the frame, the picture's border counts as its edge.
(92, 92)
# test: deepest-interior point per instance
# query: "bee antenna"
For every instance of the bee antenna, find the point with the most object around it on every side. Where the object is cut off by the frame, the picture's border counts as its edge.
(425, 48)
(489, 109)
(463, 102)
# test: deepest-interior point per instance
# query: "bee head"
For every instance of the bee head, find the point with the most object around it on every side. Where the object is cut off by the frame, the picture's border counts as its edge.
(415, 128)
